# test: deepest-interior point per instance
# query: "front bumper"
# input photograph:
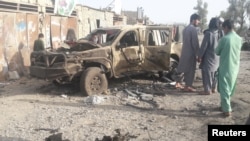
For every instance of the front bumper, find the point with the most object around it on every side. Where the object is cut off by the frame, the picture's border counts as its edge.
(47, 73)
(49, 65)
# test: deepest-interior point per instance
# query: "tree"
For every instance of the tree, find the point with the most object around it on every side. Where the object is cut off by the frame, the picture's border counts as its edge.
(202, 11)
(239, 12)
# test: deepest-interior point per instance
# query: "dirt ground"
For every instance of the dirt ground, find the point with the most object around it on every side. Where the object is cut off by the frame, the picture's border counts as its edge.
(137, 109)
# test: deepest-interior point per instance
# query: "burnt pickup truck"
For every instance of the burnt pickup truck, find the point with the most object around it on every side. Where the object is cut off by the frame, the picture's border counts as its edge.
(111, 52)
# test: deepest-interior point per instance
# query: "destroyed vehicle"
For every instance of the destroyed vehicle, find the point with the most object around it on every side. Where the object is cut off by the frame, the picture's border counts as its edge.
(112, 52)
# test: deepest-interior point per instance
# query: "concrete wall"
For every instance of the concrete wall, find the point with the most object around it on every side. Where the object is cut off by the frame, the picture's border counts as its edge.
(90, 18)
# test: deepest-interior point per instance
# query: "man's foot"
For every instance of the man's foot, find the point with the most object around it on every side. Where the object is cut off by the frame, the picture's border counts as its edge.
(213, 91)
(179, 86)
(189, 89)
(220, 109)
(227, 114)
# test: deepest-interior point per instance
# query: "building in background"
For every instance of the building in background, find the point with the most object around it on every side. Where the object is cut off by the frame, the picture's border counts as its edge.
(137, 17)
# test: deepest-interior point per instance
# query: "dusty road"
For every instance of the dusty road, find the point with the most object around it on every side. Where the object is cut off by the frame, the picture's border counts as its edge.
(33, 110)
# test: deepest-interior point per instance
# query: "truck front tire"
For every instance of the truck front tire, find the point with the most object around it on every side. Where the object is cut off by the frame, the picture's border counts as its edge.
(93, 81)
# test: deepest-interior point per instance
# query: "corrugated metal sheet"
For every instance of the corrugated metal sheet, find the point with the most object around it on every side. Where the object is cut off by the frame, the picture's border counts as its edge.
(1, 36)
(10, 41)
(64, 28)
(66, 25)
(3, 65)
(60, 27)
(14, 42)
(55, 31)
(72, 24)
(23, 48)
(47, 35)
(32, 30)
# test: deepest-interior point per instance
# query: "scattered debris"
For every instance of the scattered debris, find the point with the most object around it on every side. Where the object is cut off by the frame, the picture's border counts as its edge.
(4, 84)
(140, 95)
(106, 92)
(11, 139)
(13, 75)
(64, 96)
(172, 83)
(144, 96)
(55, 137)
(131, 93)
(165, 79)
(248, 120)
(94, 99)
(131, 101)
(117, 137)
(205, 112)
(52, 131)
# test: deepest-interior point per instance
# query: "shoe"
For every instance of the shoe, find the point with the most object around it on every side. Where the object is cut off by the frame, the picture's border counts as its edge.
(227, 114)
(189, 89)
(213, 91)
(204, 93)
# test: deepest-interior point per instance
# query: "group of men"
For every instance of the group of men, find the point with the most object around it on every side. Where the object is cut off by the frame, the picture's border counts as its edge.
(218, 56)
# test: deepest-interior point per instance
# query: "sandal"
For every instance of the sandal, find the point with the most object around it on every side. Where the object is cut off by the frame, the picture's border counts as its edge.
(179, 86)
(213, 91)
(189, 89)
(227, 114)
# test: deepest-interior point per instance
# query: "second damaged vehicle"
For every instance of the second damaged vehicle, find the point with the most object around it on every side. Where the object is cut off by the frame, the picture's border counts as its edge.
(111, 52)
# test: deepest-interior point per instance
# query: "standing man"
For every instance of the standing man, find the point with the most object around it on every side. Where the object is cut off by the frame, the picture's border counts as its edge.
(39, 43)
(221, 20)
(228, 49)
(209, 61)
(187, 64)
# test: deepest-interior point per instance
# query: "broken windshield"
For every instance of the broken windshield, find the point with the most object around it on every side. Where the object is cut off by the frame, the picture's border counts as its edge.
(103, 37)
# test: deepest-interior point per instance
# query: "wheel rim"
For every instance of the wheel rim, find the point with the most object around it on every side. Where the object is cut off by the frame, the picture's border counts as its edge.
(95, 84)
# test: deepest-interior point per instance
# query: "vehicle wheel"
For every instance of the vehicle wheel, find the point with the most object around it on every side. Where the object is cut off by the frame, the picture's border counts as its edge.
(93, 81)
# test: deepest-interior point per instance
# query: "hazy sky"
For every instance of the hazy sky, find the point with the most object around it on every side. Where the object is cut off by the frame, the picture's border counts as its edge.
(164, 11)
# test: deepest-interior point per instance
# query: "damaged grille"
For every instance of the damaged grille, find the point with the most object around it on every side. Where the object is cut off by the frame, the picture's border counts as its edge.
(48, 65)
(48, 59)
